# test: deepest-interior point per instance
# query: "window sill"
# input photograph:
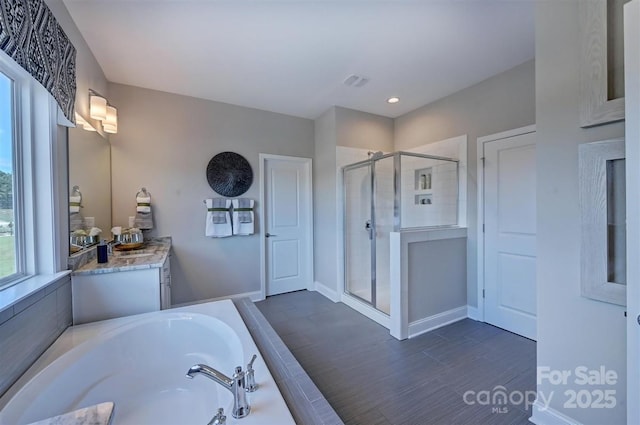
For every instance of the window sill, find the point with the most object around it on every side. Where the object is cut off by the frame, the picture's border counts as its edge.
(37, 286)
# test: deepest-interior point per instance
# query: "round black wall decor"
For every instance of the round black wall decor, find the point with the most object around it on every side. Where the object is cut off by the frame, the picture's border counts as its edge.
(229, 174)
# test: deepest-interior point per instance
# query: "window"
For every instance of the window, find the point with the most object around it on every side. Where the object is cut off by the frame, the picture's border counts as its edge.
(31, 213)
(9, 256)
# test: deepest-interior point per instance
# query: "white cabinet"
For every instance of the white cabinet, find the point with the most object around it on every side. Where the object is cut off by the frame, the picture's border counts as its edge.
(120, 293)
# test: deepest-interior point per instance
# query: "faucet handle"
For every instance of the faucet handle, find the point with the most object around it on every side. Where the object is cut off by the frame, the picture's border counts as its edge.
(253, 359)
(219, 418)
(250, 380)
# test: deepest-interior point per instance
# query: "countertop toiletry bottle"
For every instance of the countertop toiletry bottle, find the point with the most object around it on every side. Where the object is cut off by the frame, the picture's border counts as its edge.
(103, 256)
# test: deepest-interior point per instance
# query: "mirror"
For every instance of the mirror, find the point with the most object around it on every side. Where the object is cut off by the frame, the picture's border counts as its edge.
(90, 170)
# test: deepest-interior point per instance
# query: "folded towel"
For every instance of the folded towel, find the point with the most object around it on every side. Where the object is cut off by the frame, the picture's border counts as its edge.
(74, 204)
(245, 207)
(214, 229)
(76, 221)
(241, 227)
(143, 220)
(144, 204)
(219, 211)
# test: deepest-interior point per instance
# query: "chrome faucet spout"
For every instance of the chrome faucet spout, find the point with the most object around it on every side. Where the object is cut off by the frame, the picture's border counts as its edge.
(210, 373)
(235, 384)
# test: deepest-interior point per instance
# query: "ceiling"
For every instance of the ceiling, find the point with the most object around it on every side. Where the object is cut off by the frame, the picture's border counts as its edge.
(292, 56)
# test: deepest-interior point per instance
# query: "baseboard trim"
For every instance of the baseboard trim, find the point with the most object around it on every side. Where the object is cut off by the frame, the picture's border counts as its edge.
(474, 314)
(254, 296)
(542, 415)
(437, 321)
(326, 291)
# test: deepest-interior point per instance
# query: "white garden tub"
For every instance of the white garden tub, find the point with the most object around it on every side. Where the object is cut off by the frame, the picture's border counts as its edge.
(139, 363)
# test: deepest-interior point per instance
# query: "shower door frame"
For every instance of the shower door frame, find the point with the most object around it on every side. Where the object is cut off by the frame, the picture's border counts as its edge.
(396, 211)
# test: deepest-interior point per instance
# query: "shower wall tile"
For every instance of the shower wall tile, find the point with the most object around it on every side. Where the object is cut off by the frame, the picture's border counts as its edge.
(452, 194)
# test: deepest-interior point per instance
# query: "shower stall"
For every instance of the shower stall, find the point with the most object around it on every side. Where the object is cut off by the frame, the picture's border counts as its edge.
(388, 193)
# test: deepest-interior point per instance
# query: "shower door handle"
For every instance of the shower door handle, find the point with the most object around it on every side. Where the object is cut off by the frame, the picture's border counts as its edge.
(368, 228)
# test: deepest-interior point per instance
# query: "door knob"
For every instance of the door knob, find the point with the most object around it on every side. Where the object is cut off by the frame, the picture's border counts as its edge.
(268, 235)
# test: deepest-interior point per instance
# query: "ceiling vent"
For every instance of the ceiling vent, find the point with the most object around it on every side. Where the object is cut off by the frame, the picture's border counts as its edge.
(356, 80)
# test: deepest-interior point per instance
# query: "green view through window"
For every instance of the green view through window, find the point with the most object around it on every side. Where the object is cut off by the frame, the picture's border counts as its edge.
(7, 222)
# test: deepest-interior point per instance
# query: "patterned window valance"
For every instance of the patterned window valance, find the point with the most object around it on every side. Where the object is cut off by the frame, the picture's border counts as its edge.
(30, 34)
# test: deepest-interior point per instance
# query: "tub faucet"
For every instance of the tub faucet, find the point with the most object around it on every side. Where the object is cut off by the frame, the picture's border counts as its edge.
(234, 384)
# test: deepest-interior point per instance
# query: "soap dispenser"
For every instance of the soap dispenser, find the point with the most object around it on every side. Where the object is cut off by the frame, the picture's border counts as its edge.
(103, 256)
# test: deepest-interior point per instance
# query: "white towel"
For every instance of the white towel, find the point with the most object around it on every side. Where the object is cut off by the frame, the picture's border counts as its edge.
(74, 204)
(243, 228)
(76, 221)
(217, 230)
(144, 204)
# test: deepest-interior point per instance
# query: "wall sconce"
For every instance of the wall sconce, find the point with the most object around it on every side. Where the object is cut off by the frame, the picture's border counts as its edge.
(100, 110)
(81, 122)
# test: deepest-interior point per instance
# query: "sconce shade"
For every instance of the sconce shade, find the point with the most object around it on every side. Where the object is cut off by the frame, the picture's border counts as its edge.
(112, 116)
(110, 128)
(81, 122)
(97, 107)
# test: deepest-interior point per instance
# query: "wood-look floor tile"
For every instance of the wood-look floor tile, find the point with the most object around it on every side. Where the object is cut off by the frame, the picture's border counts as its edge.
(370, 378)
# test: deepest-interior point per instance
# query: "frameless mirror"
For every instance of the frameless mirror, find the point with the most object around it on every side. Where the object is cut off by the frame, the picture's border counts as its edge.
(89, 170)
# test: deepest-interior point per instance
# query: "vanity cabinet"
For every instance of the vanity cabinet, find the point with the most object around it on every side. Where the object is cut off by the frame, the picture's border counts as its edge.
(165, 284)
(126, 285)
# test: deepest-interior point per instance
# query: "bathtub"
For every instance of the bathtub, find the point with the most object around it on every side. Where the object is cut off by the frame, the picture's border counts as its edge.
(139, 363)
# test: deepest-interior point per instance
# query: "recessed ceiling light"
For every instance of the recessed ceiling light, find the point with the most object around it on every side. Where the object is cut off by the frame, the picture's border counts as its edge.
(393, 100)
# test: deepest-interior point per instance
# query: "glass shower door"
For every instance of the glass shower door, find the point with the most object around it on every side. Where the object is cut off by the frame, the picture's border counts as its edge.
(358, 231)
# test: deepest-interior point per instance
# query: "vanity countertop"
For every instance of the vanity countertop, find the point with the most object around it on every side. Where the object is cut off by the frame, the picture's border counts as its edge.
(153, 255)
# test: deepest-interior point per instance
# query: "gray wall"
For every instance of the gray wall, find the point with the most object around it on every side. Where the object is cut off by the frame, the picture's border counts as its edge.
(164, 143)
(325, 237)
(500, 103)
(357, 129)
(437, 277)
(572, 330)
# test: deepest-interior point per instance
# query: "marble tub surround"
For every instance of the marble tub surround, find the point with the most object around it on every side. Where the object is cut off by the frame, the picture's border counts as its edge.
(100, 414)
(152, 255)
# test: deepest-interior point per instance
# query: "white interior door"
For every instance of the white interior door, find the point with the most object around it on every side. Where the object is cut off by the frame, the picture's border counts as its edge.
(510, 234)
(288, 224)
(632, 148)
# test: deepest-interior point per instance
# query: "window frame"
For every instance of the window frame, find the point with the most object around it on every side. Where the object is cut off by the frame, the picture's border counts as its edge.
(40, 173)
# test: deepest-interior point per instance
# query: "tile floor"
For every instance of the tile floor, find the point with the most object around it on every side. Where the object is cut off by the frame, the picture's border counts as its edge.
(370, 378)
